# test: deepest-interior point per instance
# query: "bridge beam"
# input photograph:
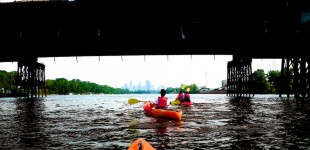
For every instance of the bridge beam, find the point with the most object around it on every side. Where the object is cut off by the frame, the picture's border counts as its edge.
(295, 76)
(30, 79)
(239, 82)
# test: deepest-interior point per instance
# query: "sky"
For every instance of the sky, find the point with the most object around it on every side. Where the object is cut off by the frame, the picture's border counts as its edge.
(160, 70)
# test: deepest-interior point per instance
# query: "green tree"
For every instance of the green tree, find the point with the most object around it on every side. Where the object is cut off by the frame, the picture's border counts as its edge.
(4, 79)
(51, 86)
(62, 85)
(260, 84)
(173, 90)
(193, 89)
(274, 80)
(7, 79)
(74, 84)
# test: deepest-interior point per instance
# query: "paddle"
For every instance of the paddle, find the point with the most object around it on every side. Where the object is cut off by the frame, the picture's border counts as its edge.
(183, 86)
(134, 101)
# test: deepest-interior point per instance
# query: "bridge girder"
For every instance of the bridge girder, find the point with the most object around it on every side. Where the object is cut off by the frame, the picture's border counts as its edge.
(256, 29)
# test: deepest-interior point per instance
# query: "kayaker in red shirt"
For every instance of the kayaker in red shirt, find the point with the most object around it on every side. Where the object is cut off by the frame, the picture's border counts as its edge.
(162, 101)
(180, 96)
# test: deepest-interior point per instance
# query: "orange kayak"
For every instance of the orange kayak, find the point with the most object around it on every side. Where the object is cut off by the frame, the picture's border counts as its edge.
(140, 144)
(174, 114)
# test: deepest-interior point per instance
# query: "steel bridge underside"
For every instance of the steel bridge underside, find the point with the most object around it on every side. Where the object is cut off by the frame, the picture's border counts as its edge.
(252, 29)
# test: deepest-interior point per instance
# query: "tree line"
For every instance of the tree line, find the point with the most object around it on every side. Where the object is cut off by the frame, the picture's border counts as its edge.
(262, 83)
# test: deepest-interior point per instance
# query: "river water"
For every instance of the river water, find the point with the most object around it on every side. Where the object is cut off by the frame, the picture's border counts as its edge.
(214, 121)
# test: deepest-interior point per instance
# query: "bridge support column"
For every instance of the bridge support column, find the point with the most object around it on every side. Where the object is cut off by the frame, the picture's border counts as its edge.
(238, 77)
(30, 79)
(295, 76)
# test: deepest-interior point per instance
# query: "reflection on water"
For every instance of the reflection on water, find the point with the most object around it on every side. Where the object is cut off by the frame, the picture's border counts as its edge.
(215, 121)
(240, 121)
(23, 124)
(29, 123)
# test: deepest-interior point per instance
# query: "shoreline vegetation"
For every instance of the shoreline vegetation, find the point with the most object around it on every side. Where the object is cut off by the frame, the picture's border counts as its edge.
(263, 83)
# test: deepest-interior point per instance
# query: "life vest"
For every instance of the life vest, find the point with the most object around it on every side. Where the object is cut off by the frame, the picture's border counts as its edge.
(180, 96)
(187, 96)
(162, 102)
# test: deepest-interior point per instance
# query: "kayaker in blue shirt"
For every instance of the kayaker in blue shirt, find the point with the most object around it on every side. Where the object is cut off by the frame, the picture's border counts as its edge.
(187, 97)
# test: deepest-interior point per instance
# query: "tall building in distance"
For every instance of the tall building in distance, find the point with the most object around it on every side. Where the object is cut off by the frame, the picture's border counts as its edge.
(147, 85)
(224, 83)
(130, 86)
(139, 86)
(206, 79)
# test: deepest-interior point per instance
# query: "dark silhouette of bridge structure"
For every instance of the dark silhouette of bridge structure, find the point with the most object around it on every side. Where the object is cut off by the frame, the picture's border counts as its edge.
(244, 29)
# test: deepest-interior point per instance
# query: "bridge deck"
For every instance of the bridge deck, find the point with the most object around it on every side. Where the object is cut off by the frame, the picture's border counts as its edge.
(257, 29)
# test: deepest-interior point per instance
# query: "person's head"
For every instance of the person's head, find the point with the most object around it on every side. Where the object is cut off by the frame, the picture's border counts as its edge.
(180, 92)
(162, 92)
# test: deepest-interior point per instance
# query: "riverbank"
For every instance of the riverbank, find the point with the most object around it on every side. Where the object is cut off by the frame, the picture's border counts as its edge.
(212, 91)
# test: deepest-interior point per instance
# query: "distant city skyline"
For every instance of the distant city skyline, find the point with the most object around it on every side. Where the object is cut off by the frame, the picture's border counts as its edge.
(148, 86)
(160, 70)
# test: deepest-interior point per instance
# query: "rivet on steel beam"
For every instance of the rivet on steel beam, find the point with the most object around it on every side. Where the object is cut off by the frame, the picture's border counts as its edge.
(182, 34)
(266, 22)
(99, 32)
(58, 33)
(20, 33)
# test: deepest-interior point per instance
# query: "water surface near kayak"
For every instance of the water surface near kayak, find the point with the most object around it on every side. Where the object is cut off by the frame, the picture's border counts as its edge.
(214, 121)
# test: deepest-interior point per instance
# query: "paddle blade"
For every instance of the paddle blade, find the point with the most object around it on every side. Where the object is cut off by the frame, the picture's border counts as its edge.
(133, 101)
(175, 102)
(183, 86)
